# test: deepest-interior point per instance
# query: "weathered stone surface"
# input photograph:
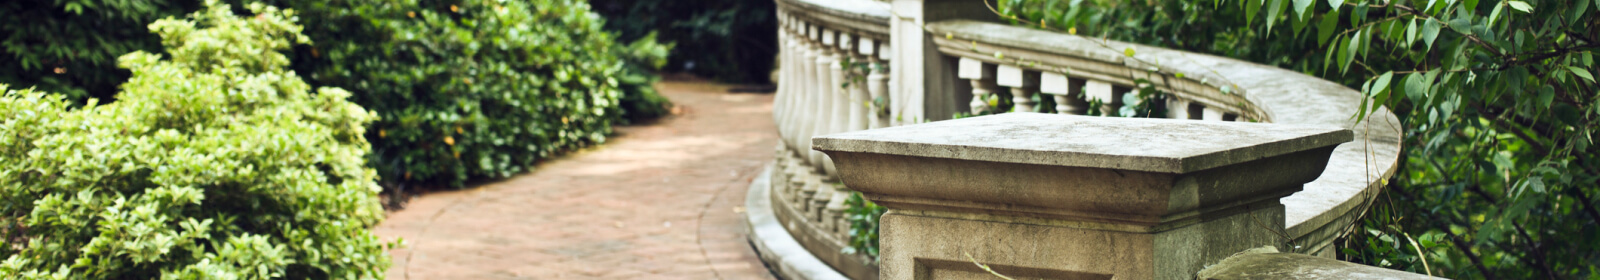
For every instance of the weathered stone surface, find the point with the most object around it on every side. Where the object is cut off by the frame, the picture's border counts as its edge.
(1068, 197)
(1356, 172)
(1153, 145)
(1268, 263)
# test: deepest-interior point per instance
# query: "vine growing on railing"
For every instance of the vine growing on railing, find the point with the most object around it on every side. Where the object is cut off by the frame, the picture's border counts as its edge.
(863, 217)
(1497, 101)
(855, 73)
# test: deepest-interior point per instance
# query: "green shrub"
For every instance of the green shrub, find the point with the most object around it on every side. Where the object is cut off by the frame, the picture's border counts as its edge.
(640, 101)
(218, 163)
(468, 89)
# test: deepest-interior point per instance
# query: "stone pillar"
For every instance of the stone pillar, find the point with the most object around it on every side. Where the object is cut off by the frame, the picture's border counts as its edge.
(859, 109)
(1023, 85)
(877, 83)
(981, 75)
(836, 90)
(1068, 93)
(805, 67)
(1110, 101)
(923, 85)
(1177, 108)
(825, 96)
(1043, 196)
(1211, 114)
(780, 103)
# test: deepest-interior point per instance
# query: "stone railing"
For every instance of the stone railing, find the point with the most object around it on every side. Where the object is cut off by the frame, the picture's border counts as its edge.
(952, 58)
(833, 78)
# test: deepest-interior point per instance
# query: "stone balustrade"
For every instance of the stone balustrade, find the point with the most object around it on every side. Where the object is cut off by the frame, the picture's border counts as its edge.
(833, 78)
(953, 58)
(1069, 197)
(1073, 71)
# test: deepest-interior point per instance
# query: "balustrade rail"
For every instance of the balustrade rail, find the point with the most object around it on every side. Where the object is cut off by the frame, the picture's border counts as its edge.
(834, 77)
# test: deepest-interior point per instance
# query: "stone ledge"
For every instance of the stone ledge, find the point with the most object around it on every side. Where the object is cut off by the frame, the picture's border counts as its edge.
(785, 256)
(1268, 263)
(1140, 144)
(1356, 172)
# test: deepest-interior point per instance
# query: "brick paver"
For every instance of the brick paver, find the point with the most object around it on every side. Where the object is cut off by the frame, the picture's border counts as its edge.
(658, 201)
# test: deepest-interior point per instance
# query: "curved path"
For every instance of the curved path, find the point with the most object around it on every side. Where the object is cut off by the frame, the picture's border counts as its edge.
(658, 201)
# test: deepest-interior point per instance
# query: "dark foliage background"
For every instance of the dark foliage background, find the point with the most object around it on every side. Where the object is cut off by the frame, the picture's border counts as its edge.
(70, 47)
(728, 40)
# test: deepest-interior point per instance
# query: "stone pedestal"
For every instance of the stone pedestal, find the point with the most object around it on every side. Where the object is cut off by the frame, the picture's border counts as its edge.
(1039, 196)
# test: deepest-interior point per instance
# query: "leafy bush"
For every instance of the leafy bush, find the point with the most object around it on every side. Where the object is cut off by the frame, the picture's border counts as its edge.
(1497, 99)
(217, 163)
(729, 40)
(863, 216)
(70, 47)
(640, 101)
(470, 89)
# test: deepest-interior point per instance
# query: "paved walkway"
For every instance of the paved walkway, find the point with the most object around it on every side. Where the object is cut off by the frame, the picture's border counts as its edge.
(658, 201)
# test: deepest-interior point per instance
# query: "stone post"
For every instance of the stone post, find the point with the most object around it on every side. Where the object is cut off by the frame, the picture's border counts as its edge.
(1044, 196)
(923, 86)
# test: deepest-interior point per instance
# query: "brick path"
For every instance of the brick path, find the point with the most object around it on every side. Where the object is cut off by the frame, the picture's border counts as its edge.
(659, 201)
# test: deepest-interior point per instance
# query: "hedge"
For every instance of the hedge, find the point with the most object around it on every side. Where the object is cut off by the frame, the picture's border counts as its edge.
(471, 90)
(215, 163)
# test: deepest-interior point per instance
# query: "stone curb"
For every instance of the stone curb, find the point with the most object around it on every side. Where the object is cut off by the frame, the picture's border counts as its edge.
(772, 242)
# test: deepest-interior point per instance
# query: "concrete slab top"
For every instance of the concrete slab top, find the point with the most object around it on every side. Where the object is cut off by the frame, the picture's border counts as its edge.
(1139, 144)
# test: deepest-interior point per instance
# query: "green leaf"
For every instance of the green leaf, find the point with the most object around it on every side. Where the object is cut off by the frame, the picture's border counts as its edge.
(1545, 97)
(1461, 25)
(1327, 56)
(1415, 88)
(1521, 6)
(1411, 32)
(1494, 16)
(1581, 73)
(1347, 52)
(1382, 84)
(1330, 23)
(1251, 9)
(1334, 4)
(1274, 11)
(1303, 7)
(1430, 31)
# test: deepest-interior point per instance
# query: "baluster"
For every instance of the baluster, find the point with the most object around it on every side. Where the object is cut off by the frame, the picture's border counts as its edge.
(795, 110)
(807, 72)
(858, 88)
(1211, 114)
(877, 82)
(1023, 85)
(837, 92)
(1177, 108)
(833, 216)
(1110, 102)
(797, 177)
(1067, 92)
(804, 116)
(818, 202)
(823, 97)
(983, 84)
(838, 107)
(812, 185)
(780, 101)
